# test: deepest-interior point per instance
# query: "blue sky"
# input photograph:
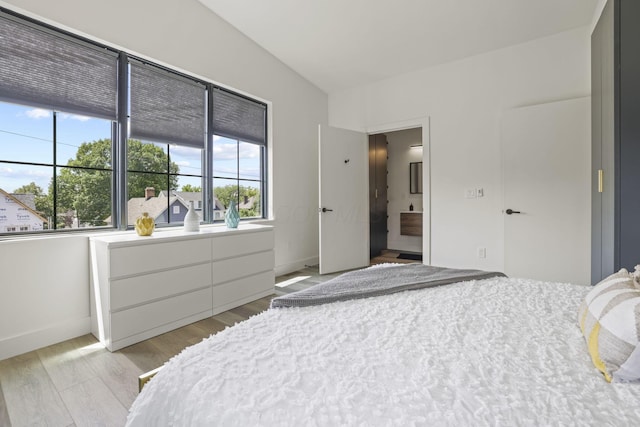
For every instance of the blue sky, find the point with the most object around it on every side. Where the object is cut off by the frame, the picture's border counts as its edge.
(26, 136)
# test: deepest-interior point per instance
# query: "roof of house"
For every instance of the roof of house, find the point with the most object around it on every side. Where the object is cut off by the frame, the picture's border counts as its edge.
(29, 200)
(154, 206)
(157, 205)
(251, 201)
(18, 198)
(195, 196)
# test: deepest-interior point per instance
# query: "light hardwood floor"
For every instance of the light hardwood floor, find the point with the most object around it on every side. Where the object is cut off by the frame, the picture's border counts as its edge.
(390, 255)
(80, 383)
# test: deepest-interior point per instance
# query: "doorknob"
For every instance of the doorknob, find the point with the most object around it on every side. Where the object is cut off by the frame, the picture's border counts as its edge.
(326, 210)
(511, 211)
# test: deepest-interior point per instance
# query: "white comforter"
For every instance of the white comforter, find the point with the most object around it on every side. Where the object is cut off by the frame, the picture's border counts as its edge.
(498, 352)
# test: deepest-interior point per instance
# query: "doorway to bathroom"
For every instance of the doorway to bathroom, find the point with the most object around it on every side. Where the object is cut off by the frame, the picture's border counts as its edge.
(396, 194)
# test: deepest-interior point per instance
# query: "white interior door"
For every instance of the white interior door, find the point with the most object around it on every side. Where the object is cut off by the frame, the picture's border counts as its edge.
(546, 165)
(344, 203)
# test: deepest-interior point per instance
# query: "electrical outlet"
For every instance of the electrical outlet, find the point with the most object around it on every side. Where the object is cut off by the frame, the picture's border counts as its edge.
(470, 193)
(482, 252)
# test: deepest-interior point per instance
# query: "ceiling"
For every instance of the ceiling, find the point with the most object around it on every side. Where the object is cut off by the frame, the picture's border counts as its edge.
(338, 44)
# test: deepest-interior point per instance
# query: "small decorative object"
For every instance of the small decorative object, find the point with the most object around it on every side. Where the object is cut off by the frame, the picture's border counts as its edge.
(232, 217)
(144, 225)
(411, 207)
(191, 220)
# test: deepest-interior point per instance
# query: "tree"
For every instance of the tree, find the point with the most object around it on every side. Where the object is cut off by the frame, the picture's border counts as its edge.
(230, 192)
(31, 188)
(188, 188)
(88, 191)
(148, 158)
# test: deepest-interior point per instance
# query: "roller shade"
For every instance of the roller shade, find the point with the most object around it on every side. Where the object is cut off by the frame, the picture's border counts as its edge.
(43, 68)
(239, 118)
(166, 107)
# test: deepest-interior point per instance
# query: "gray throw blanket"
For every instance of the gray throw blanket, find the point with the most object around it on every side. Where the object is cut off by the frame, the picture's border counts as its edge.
(378, 280)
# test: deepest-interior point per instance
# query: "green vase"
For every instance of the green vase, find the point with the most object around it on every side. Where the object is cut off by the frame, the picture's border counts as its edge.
(232, 217)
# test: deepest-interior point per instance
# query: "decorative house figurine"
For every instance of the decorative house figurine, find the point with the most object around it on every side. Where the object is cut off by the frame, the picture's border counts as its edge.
(191, 220)
(232, 217)
(144, 225)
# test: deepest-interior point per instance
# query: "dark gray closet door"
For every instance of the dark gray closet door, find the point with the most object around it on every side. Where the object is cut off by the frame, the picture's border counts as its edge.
(377, 193)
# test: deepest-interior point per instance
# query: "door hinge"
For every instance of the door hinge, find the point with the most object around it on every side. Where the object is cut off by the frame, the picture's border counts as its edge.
(376, 193)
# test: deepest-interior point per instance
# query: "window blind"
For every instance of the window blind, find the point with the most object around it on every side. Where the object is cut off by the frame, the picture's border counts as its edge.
(166, 107)
(43, 68)
(239, 118)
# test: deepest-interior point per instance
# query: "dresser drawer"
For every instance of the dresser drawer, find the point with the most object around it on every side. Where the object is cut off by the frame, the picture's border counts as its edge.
(237, 292)
(140, 289)
(148, 316)
(233, 268)
(239, 244)
(132, 260)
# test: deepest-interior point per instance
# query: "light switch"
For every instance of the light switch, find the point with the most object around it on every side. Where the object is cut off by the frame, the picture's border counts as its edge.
(480, 192)
(470, 193)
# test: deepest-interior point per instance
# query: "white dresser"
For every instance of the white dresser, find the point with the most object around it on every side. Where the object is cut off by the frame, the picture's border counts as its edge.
(144, 286)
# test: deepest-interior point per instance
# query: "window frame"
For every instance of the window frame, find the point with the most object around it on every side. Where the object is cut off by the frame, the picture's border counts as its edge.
(56, 167)
(120, 135)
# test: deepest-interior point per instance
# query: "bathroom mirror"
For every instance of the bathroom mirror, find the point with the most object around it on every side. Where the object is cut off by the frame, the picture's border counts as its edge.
(415, 178)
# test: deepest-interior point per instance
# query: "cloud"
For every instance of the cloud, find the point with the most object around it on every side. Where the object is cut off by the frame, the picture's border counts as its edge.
(25, 173)
(249, 151)
(184, 151)
(74, 117)
(225, 151)
(38, 113)
(41, 113)
(19, 176)
(230, 151)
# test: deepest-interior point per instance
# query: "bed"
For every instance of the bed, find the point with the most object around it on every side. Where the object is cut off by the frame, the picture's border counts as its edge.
(495, 352)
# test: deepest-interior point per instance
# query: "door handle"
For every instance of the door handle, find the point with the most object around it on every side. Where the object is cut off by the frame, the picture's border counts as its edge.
(326, 210)
(600, 180)
(511, 211)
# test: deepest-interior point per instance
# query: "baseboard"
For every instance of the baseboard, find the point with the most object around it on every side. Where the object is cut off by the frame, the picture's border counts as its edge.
(296, 265)
(33, 340)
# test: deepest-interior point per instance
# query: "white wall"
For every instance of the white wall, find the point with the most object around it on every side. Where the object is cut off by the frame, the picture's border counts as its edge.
(465, 100)
(187, 36)
(400, 154)
(44, 292)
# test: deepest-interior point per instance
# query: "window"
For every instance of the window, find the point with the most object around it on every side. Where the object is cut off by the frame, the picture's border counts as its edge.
(157, 176)
(68, 106)
(169, 110)
(59, 99)
(237, 175)
(55, 169)
(239, 153)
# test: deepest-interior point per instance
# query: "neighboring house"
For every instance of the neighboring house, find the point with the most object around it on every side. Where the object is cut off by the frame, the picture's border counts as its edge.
(196, 197)
(158, 207)
(18, 213)
(168, 211)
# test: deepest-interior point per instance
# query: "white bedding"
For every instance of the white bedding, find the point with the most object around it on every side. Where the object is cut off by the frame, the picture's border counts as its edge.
(497, 352)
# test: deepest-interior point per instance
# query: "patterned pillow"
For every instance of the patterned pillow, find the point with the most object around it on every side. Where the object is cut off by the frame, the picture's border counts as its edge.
(609, 318)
